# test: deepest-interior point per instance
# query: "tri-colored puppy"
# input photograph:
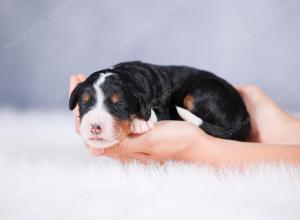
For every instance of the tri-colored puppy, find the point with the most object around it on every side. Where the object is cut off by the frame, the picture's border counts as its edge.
(132, 96)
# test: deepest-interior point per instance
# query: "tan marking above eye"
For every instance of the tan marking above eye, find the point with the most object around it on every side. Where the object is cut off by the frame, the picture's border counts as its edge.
(86, 97)
(188, 102)
(115, 98)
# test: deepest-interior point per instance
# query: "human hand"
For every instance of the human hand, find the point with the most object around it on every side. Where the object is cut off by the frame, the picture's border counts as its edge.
(179, 140)
(270, 124)
(74, 81)
(167, 140)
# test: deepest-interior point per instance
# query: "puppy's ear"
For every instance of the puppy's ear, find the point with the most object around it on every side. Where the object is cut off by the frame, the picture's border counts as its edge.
(74, 98)
(144, 108)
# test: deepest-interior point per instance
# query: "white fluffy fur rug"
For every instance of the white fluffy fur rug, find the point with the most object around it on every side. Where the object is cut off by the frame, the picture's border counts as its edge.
(46, 173)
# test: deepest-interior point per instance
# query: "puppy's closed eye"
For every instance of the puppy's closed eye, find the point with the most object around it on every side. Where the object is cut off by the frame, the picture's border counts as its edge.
(86, 97)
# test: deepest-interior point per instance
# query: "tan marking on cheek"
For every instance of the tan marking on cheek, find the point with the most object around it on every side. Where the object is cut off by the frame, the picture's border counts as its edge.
(123, 129)
(115, 98)
(188, 102)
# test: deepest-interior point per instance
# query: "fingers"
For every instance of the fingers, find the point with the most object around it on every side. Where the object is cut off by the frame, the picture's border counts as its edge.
(254, 95)
(240, 88)
(95, 151)
(118, 154)
(140, 143)
(137, 146)
(244, 90)
(74, 80)
(81, 77)
(252, 91)
(132, 144)
(146, 142)
(77, 120)
(126, 157)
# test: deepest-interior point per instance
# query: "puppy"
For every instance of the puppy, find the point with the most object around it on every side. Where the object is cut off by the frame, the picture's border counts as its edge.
(130, 97)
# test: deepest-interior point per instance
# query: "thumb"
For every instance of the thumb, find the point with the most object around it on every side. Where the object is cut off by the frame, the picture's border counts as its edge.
(95, 151)
(130, 144)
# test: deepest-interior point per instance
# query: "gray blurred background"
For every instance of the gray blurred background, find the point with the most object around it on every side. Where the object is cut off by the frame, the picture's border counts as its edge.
(246, 42)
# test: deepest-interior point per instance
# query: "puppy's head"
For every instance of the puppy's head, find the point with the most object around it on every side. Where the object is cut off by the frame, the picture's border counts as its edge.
(107, 105)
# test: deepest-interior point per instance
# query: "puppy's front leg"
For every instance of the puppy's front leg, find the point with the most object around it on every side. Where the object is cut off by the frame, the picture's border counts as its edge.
(139, 126)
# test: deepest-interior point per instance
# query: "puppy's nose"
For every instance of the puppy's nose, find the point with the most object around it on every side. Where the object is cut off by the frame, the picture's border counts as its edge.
(95, 129)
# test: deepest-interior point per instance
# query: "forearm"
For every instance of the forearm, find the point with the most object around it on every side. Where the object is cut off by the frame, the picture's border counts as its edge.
(233, 153)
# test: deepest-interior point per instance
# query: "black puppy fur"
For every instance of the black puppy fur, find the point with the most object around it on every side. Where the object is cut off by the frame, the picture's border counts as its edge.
(142, 87)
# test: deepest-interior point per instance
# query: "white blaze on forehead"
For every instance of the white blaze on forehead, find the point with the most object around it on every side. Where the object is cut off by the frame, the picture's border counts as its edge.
(99, 92)
(102, 78)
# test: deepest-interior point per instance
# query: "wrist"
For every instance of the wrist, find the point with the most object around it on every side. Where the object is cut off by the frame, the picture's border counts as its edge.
(202, 149)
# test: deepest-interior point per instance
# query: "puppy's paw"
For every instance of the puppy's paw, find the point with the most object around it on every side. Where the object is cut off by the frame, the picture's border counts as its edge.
(139, 126)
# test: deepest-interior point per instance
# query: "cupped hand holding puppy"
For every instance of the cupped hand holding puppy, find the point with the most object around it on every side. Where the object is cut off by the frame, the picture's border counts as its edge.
(166, 140)
(180, 140)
